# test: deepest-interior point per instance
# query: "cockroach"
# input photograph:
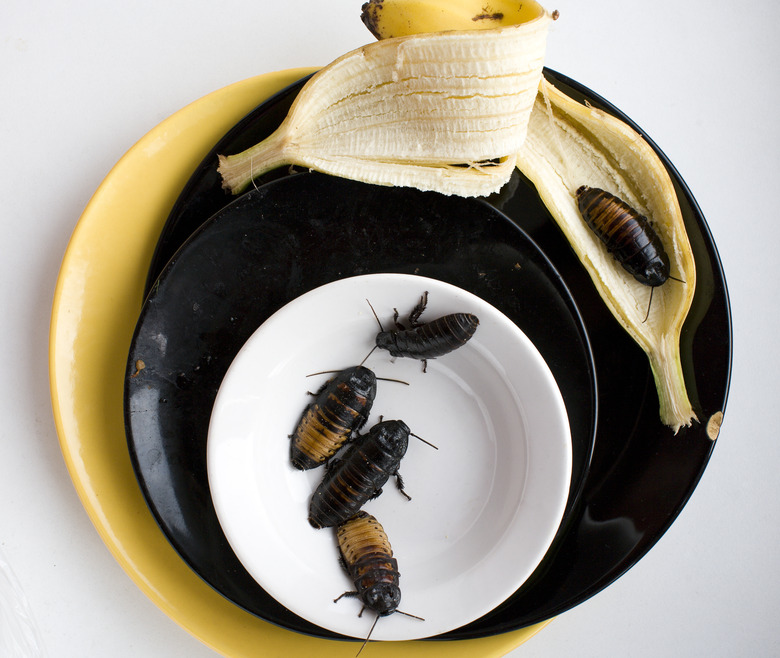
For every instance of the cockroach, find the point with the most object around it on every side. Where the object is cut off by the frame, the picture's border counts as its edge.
(426, 340)
(627, 235)
(340, 408)
(359, 473)
(367, 557)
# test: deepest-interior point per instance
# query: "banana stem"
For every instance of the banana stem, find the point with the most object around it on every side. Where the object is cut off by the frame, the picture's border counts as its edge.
(239, 170)
(675, 407)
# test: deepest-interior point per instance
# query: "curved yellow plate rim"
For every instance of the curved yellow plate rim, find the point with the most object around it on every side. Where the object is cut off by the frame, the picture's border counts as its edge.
(97, 301)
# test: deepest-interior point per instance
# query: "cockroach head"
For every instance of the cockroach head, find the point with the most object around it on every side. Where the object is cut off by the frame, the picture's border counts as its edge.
(654, 272)
(382, 598)
(385, 340)
(393, 436)
(362, 380)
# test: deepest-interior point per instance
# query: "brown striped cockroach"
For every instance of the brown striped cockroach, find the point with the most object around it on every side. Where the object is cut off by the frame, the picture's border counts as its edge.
(426, 340)
(359, 473)
(627, 235)
(368, 559)
(339, 408)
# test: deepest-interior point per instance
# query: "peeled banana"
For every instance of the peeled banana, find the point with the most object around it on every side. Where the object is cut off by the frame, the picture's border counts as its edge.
(446, 112)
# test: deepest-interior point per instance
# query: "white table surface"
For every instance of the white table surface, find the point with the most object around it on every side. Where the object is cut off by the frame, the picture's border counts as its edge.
(81, 81)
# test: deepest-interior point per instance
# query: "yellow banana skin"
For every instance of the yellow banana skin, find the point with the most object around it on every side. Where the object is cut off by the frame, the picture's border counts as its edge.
(567, 145)
(406, 17)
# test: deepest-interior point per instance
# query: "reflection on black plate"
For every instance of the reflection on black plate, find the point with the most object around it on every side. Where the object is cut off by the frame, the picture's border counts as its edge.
(269, 247)
(203, 195)
(640, 476)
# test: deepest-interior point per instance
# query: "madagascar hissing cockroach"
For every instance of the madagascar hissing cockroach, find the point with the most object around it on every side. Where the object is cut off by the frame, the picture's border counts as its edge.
(367, 557)
(359, 473)
(426, 340)
(627, 235)
(340, 408)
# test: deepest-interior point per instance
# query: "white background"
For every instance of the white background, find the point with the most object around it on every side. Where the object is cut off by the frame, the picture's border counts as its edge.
(81, 81)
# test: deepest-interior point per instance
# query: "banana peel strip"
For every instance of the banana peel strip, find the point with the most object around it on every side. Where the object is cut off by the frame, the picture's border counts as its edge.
(445, 111)
(570, 144)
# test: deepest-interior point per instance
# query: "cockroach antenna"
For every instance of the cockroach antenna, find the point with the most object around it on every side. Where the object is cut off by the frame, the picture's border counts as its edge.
(427, 443)
(381, 328)
(382, 379)
(368, 637)
(323, 372)
(365, 642)
(368, 355)
(650, 303)
(397, 381)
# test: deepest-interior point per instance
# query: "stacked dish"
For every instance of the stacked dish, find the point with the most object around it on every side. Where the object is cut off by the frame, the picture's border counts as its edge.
(222, 268)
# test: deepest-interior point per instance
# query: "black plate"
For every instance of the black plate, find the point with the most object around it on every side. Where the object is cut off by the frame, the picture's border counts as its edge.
(269, 247)
(641, 475)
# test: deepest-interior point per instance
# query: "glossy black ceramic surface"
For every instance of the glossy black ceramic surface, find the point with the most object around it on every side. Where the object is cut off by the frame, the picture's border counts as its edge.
(269, 247)
(640, 475)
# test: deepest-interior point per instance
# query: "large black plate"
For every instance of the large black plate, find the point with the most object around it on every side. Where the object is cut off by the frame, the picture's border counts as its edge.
(271, 246)
(641, 474)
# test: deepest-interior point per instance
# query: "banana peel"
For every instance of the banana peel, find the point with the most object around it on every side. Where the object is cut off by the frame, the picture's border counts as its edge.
(451, 99)
(443, 111)
(567, 145)
(570, 144)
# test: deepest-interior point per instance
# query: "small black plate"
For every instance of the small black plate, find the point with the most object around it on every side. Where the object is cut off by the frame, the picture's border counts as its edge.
(267, 248)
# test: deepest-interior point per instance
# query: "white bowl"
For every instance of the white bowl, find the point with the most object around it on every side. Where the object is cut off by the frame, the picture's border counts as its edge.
(485, 506)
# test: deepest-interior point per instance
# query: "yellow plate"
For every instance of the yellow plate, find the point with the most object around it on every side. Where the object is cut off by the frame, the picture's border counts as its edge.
(96, 305)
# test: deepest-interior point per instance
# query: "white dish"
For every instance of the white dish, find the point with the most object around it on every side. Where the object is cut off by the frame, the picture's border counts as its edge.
(485, 506)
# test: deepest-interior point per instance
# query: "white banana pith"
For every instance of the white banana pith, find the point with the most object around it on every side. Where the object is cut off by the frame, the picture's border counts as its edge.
(444, 112)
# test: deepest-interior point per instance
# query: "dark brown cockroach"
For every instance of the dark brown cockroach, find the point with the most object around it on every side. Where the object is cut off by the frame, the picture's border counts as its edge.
(359, 473)
(340, 408)
(367, 557)
(627, 235)
(426, 340)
